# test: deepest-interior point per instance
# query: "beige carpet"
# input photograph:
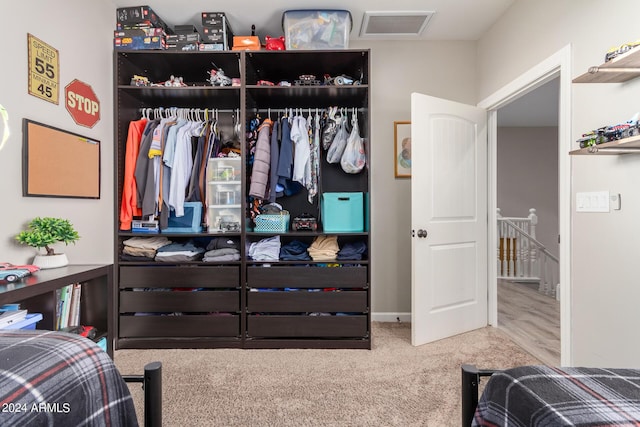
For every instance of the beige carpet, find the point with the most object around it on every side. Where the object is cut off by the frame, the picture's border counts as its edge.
(394, 384)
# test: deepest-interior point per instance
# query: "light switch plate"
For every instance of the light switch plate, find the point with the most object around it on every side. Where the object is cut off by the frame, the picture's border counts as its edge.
(592, 201)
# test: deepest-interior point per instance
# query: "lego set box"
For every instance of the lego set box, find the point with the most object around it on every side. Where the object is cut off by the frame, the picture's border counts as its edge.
(216, 30)
(139, 28)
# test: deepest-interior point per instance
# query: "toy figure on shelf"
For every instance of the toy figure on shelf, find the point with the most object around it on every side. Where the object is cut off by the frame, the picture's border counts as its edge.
(218, 78)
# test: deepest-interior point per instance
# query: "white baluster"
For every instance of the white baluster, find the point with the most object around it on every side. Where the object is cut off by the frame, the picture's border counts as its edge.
(533, 219)
(524, 251)
(505, 261)
(542, 267)
(499, 265)
(524, 248)
(518, 264)
(512, 239)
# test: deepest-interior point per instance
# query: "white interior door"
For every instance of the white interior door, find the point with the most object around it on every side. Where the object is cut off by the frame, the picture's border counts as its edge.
(448, 218)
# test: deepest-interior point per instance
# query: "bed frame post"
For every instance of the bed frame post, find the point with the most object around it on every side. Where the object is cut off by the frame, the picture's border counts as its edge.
(470, 380)
(153, 394)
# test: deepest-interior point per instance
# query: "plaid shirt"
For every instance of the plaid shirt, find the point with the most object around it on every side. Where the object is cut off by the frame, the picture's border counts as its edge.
(60, 379)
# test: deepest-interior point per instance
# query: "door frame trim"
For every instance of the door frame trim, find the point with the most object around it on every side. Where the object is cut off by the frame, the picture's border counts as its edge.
(557, 65)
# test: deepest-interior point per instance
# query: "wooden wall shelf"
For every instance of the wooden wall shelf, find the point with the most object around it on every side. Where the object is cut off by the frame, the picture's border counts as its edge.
(620, 69)
(622, 146)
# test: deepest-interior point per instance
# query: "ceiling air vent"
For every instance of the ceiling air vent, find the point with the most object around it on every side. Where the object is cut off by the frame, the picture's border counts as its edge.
(395, 23)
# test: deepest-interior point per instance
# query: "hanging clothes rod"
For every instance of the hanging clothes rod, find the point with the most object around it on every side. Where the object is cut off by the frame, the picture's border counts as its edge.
(202, 110)
(303, 109)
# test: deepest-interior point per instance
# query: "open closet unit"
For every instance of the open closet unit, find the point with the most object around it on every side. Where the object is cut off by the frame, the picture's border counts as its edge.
(243, 299)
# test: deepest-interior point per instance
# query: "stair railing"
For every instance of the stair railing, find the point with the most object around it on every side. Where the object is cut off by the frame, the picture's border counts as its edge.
(521, 257)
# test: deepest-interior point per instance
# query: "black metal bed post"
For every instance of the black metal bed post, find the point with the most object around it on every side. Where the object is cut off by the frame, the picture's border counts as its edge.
(470, 382)
(470, 379)
(153, 394)
(152, 386)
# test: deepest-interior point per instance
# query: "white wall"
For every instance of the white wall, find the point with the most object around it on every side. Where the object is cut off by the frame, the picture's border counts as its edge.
(528, 178)
(604, 284)
(80, 31)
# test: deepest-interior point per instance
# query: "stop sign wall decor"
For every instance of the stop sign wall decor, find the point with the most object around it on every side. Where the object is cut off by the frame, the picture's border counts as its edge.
(82, 103)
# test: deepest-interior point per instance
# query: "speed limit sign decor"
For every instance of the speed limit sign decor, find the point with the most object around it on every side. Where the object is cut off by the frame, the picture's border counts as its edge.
(44, 80)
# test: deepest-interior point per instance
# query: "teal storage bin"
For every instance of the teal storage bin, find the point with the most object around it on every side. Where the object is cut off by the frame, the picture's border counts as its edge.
(342, 212)
(102, 343)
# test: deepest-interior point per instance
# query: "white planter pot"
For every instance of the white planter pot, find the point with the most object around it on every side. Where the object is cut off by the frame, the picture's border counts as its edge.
(50, 261)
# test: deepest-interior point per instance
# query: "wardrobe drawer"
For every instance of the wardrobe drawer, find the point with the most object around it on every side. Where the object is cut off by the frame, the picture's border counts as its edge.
(180, 276)
(181, 301)
(275, 326)
(303, 301)
(179, 326)
(306, 277)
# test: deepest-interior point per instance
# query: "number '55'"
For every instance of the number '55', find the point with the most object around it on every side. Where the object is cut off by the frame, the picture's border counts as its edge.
(41, 67)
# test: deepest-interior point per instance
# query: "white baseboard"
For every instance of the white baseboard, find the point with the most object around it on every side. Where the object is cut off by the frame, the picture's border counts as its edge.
(391, 317)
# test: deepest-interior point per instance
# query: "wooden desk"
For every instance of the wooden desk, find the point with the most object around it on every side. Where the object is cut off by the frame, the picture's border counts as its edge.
(37, 293)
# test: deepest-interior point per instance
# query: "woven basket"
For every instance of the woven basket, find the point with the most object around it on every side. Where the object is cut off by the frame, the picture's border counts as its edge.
(271, 223)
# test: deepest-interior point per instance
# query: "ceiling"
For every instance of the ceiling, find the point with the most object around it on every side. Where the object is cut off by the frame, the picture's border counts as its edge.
(451, 20)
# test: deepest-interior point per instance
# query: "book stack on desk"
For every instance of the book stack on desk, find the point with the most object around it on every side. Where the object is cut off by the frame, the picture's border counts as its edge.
(12, 317)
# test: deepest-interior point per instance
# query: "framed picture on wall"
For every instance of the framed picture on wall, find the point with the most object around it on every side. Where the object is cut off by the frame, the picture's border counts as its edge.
(402, 148)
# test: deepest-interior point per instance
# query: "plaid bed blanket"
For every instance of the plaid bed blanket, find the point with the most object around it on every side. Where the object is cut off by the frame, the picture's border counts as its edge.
(60, 379)
(548, 396)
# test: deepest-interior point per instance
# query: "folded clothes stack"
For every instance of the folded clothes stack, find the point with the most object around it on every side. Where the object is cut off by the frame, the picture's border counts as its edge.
(294, 251)
(222, 249)
(324, 248)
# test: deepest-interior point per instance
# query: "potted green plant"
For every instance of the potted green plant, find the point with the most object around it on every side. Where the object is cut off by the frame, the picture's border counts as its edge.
(44, 232)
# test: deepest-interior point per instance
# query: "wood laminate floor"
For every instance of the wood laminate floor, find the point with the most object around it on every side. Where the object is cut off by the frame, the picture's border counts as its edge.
(531, 319)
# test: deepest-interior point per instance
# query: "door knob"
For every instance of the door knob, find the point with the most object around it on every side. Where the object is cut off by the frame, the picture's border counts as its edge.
(422, 233)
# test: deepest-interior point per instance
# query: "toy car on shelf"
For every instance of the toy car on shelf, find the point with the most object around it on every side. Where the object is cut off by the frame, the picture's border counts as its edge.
(611, 133)
(619, 50)
(304, 222)
(592, 138)
(85, 331)
(230, 226)
(137, 80)
(341, 80)
(307, 80)
(11, 273)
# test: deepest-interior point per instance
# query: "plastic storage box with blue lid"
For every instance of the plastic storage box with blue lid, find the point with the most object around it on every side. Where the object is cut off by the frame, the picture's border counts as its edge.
(29, 322)
(316, 29)
(342, 212)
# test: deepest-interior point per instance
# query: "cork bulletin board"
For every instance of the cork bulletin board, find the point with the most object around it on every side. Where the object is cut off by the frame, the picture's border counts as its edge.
(58, 163)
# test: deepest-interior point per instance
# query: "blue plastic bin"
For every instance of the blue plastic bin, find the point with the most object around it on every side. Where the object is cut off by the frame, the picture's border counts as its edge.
(28, 322)
(191, 222)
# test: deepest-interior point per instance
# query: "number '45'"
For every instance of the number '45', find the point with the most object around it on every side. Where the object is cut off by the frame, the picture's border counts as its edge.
(45, 90)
